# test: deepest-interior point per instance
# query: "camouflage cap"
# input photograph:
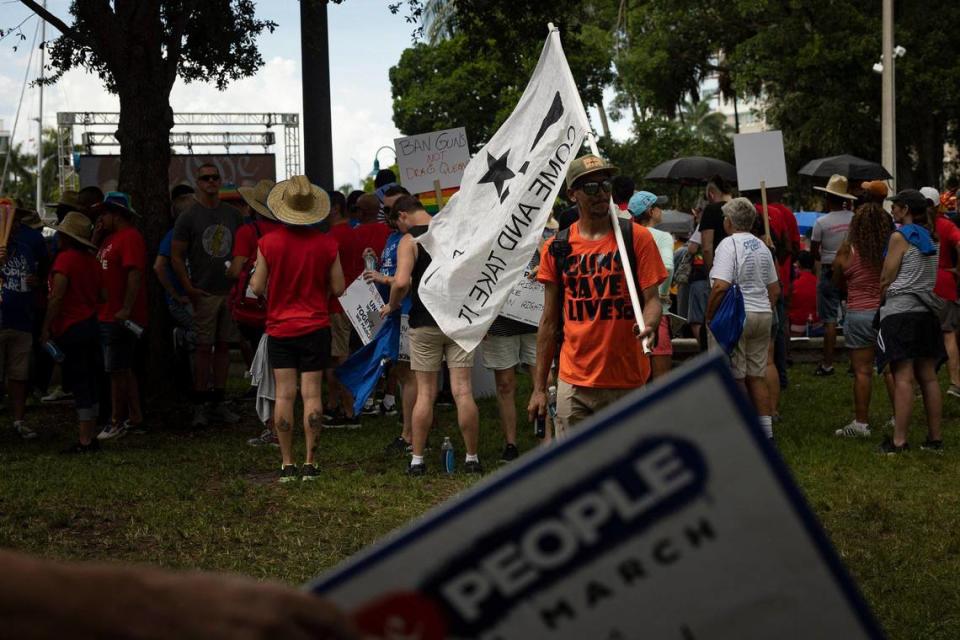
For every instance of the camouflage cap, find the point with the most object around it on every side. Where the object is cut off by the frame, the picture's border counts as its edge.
(585, 165)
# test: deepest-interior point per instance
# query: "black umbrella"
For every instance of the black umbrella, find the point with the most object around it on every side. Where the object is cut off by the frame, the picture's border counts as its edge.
(851, 167)
(676, 222)
(692, 170)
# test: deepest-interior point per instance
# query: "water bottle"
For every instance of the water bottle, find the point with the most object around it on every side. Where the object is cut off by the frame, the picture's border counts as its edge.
(54, 351)
(133, 327)
(370, 262)
(448, 456)
(552, 402)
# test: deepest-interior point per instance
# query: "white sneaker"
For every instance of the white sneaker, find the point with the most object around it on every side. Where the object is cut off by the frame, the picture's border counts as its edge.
(57, 395)
(112, 431)
(220, 413)
(25, 432)
(199, 417)
(853, 430)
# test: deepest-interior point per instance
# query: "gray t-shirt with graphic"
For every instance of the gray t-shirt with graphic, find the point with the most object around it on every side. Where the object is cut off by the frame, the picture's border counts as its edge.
(209, 236)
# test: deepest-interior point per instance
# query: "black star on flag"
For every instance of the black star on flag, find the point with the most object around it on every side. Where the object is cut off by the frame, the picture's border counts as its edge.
(497, 171)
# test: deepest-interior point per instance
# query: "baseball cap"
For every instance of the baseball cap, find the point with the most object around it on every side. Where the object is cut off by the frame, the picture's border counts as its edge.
(586, 165)
(642, 201)
(118, 202)
(181, 190)
(932, 195)
(910, 198)
(875, 188)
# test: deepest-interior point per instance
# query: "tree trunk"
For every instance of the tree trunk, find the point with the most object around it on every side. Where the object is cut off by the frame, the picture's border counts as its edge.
(144, 135)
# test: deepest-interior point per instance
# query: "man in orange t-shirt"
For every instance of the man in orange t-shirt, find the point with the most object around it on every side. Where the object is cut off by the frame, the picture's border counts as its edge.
(601, 358)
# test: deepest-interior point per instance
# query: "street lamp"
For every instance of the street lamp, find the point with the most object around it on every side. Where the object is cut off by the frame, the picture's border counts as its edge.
(376, 159)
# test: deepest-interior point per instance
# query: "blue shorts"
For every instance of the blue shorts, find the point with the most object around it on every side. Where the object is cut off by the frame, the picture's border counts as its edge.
(858, 331)
(697, 306)
(119, 346)
(828, 296)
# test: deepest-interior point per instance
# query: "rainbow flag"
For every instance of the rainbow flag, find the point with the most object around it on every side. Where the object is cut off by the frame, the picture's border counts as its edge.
(429, 199)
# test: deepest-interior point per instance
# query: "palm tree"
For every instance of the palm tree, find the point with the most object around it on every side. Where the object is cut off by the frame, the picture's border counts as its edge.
(20, 181)
(705, 124)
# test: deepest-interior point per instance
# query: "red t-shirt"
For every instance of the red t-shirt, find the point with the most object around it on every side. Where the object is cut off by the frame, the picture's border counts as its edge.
(949, 235)
(80, 302)
(803, 302)
(351, 257)
(373, 235)
(298, 270)
(120, 252)
(245, 240)
(786, 238)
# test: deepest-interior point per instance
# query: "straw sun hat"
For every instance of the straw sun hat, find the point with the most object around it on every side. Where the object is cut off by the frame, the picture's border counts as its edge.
(837, 186)
(77, 226)
(297, 202)
(256, 197)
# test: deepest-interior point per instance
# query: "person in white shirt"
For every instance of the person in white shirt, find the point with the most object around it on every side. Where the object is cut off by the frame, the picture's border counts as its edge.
(829, 232)
(646, 209)
(744, 259)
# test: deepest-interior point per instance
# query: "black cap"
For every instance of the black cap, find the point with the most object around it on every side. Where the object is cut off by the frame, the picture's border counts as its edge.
(180, 190)
(910, 198)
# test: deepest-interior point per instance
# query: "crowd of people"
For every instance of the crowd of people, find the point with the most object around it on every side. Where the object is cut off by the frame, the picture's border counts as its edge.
(265, 277)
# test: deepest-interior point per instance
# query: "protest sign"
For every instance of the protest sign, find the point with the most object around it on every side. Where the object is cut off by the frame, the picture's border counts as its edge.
(362, 303)
(651, 521)
(429, 158)
(761, 164)
(525, 302)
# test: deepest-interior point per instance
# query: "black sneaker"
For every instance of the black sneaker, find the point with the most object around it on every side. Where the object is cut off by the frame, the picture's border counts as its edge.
(887, 447)
(510, 453)
(397, 446)
(309, 472)
(93, 447)
(474, 467)
(388, 411)
(334, 420)
(417, 470)
(822, 371)
(372, 409)
(932, 445)
(289, 473)
(350, 423)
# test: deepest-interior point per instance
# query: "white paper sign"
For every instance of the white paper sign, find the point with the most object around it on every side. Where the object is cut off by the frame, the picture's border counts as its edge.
(646, 523)
(362, 303)
(439, 155)
(525, 302)
(760, 158)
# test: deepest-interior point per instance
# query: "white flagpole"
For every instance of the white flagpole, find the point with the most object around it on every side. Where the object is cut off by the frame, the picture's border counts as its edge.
(614, 219)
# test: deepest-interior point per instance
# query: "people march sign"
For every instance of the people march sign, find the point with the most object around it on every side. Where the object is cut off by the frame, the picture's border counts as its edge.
(649, 522)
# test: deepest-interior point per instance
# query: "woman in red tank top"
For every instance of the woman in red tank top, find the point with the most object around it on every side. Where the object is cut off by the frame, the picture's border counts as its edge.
(857, 270)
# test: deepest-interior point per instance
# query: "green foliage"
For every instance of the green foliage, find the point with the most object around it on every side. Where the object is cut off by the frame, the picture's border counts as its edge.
(21, 179)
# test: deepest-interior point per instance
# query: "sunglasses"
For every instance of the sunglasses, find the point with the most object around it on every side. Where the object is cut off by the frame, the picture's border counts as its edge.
(209, 178)
(593, 188)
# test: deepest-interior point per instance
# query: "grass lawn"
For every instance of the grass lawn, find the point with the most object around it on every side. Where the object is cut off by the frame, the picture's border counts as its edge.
(206, 500)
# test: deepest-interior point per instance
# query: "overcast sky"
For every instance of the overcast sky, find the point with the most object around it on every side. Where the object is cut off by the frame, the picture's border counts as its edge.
(365, 41)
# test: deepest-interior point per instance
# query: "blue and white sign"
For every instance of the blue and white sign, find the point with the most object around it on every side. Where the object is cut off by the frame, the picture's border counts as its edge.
(668, 515)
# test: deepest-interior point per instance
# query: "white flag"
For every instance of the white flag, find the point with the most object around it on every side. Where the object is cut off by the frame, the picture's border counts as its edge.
(484, 237)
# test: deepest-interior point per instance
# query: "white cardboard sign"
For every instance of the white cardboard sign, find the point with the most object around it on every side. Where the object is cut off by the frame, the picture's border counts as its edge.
(362, 303)
(760, 158)
(427, 157)
(647, 523)
(525, 302)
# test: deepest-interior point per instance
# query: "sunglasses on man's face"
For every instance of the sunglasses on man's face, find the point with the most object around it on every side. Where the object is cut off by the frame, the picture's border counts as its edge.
(593, 188)
(209, 178)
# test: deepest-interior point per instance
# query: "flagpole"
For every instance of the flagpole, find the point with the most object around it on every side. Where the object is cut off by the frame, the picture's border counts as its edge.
(614, 219)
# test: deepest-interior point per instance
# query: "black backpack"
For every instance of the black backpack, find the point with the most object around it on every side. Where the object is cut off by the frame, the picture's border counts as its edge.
(560, 249)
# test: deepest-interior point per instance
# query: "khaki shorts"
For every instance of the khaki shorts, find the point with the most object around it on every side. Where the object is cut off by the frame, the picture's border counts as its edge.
(575, 404)
(212, 321)
(15, 354)
(749, 357)
(340, 329)
(428, 346)
(506, 352)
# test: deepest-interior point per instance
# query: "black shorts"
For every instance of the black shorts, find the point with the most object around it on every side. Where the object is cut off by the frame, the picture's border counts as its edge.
(910, 336)
(310, 352)
(119, 346)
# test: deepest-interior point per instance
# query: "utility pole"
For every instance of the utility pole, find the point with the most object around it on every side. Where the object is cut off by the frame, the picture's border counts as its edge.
(315, 73)
(888, 113)
(43, 44)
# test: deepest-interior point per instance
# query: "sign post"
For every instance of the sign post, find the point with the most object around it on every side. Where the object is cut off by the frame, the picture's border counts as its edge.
(761, 164)
(643, 524)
